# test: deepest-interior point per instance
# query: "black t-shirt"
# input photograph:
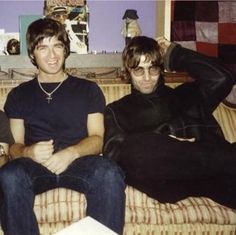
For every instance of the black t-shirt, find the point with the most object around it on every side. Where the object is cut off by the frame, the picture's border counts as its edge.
(64, 119)
(5, 133)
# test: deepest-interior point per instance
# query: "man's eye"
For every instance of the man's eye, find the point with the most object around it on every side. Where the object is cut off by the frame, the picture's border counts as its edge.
(154, 70)
(41, 48)
(60, 46)
(138, 70)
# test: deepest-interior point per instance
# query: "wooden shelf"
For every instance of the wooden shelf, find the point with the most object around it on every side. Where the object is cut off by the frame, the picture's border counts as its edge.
(106, 68)
(73, 61)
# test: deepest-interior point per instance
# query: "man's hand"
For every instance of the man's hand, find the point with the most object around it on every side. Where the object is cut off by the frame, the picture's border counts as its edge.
(59, 161)
(183, 139)
(164, 44)
(40, 151)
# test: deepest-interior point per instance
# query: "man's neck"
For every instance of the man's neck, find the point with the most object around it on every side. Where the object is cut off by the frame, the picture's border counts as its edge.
(52, 78)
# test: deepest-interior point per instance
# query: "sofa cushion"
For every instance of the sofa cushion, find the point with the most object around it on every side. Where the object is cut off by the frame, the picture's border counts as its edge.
(66, 205)
(59, 207)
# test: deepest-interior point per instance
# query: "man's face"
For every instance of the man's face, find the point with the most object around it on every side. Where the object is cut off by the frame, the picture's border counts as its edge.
(145, 77)
(60, 16)
(49, 55)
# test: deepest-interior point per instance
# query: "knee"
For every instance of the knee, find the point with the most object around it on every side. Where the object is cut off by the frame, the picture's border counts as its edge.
(12, 175)
(109, 173)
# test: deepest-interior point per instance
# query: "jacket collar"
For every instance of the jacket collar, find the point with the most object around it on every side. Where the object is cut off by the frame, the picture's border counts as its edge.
(157, 93)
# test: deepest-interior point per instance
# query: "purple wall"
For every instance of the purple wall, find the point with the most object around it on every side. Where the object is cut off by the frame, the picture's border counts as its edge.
(106, 22)
(11, 10)
(105, 19)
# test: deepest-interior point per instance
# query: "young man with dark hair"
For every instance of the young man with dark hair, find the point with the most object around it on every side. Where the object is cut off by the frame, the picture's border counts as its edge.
(166, 140)
(57, 123)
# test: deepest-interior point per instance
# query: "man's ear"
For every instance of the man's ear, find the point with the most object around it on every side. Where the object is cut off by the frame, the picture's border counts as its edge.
(32, 59)
(31, 56)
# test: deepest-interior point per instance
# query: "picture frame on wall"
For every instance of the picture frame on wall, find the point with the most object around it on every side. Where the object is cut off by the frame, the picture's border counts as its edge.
(75, 16)
(25, 21)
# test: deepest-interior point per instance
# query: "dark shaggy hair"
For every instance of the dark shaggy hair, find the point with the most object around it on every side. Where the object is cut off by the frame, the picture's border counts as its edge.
(137, 47)
(43, 28)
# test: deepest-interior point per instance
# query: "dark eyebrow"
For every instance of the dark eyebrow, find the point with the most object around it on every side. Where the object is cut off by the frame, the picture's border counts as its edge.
(59, 44)
(44, 46)
(40, 46)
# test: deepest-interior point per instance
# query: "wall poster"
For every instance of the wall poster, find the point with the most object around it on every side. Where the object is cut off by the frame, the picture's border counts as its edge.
(74, 14)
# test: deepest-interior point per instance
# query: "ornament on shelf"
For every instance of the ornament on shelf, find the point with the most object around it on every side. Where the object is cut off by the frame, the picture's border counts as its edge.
(131, 27)
(13, 47)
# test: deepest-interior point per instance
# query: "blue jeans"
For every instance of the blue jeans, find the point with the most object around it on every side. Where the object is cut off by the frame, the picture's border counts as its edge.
(100, 179)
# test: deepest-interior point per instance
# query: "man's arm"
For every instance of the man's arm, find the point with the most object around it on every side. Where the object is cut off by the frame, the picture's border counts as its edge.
(6, 137)
(4, 153)
(214, 81)
(39, 152)
(114, 135)
(91, 145)
(17, 129)
(5, 147)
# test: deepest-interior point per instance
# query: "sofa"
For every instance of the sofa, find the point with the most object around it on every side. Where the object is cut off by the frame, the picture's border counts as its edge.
(60, 207)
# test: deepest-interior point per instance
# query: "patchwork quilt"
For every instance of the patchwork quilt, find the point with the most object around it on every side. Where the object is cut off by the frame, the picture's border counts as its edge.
(208, 27)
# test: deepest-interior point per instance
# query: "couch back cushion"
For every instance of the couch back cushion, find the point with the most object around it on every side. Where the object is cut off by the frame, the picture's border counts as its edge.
(114, 91)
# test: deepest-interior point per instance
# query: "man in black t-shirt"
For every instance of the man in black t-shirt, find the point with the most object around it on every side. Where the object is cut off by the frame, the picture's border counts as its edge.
(57, 124)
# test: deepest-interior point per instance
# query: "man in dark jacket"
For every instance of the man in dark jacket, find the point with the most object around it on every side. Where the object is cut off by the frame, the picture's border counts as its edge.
(167, 140)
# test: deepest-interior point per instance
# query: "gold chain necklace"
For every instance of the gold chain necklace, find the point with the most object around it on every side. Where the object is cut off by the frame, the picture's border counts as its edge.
(49, 94)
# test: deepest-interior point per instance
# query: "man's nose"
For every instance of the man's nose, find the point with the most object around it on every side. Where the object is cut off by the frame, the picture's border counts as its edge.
(52, 52)
(146, 74)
